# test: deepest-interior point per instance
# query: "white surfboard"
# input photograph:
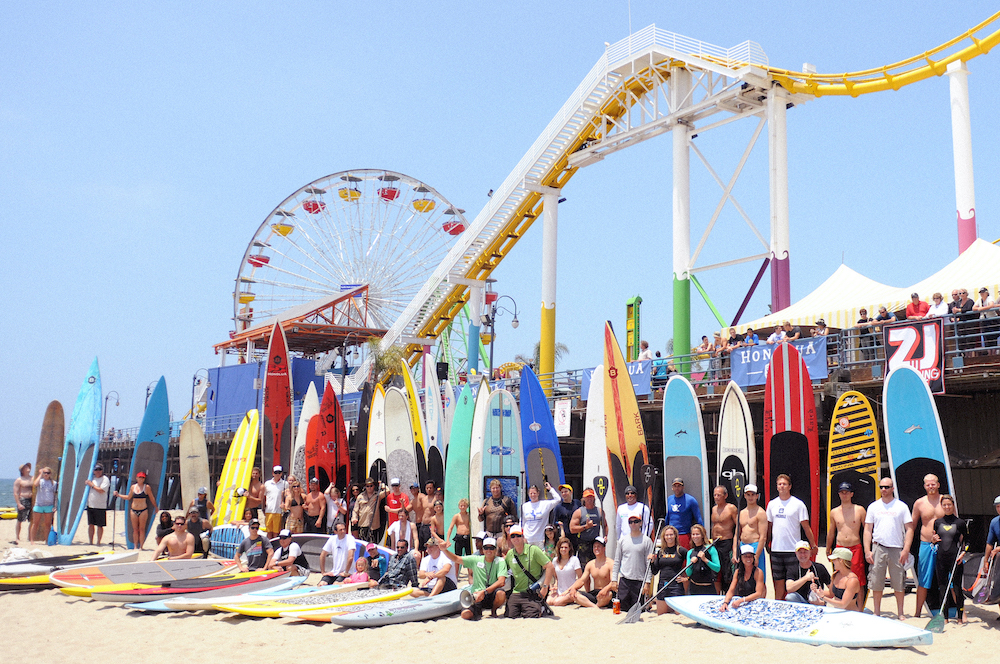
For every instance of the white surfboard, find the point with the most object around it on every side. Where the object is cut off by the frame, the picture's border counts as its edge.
(376, 437)
(476, 495)
(595, 455)
(448, 412)
(310, 407)
(193, 457)
(400, 459)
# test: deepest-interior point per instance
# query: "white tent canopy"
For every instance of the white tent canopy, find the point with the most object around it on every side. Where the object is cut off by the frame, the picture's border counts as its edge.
(838, 299)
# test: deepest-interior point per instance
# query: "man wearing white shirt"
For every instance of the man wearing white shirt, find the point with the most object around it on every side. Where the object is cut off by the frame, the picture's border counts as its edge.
(888, 535)
(274, 490)
(97, 503)
(786, 517)
(341, 548)
(632, 507)
(437, 573)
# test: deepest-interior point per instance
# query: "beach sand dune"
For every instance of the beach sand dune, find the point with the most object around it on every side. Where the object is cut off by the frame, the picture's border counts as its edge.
(54, 627)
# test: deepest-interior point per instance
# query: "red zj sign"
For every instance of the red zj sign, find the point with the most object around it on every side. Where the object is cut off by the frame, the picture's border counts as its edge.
(920, 345)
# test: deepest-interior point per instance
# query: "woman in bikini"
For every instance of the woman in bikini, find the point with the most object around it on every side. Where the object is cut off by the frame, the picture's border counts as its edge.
(294, 498)
(140, 498)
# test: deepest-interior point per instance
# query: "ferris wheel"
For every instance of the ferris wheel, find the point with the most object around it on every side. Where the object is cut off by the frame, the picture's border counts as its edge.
(369, 226)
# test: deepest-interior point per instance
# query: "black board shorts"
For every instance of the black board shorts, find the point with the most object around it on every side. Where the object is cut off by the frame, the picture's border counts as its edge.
(97, 517)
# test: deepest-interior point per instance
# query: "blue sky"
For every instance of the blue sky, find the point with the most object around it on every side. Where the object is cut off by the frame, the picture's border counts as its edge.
(142, 144)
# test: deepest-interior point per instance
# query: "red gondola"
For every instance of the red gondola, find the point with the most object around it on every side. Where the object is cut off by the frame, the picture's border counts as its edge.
(453, 227)
(259, 260)
(313, 207)
(388, 194)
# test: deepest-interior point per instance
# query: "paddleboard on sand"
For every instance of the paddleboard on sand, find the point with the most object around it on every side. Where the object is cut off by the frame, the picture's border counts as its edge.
(313, 602)
(376, 457)
(456, 483)
(737, 447)
(193, 457)
(595, 458)
(50, 441)
(310, 408)
(502, 444)
(45, 566)
(914, 439)
(801, 623)
(434, 418)
(684, 454)
(206, 603)
(477, 493)
(399, 446)
(417, 424)
(791, 441)
(144, 572)
(625, 437)
(141, 592)
(230, 496)
(853, 454)
(404, 611)
(542, 457)
(277, 427)
(276, 584)
(150, 457)
(79, 456)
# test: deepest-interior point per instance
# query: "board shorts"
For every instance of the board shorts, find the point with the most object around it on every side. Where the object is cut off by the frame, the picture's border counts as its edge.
(449, 585)
(782, 564)
(43, 509)
(423, 534)
(462, 544)
(760, 559)
(23, 509)
(294, 524)
(272, 522)
(477, 608)
(926, 564)
(311, 523)
(332, 578)
(886, 558)
(675, 589)
(858, 561)
(97, 517)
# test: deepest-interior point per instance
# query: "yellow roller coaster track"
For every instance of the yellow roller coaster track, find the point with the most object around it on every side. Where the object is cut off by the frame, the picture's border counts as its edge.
(629, 89)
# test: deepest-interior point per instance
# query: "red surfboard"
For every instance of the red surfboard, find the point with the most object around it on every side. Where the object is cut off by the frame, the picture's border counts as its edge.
(328, 456)
(791, 441)
(277, 428)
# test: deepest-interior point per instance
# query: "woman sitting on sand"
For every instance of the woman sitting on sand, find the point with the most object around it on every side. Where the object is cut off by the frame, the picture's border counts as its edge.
(748, 581)
(568, 570)
(845, 589)
(164, 527)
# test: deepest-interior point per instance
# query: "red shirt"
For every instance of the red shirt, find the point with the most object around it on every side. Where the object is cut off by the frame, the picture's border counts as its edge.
(394, 502)
(920, 309)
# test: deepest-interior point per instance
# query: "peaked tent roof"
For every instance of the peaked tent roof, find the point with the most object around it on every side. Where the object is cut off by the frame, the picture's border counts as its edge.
(845, 292)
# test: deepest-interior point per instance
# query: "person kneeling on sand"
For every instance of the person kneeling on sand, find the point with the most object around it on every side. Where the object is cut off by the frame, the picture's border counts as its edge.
(489, 574)
(807, 579)
(597, 578)
(178, 544)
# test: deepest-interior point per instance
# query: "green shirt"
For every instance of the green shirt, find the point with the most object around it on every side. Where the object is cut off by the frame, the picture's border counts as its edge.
(533, 560)
(484, 574)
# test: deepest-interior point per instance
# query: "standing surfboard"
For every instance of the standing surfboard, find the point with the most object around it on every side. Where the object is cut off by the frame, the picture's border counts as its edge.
(417, 424)
(150, 456)
(502, 444)
(360, 470)
(625, 437)
(477, 493)
(193, 457)
(230, 496)
(853, 455)
(310, 408)
(737, 446)
(542, 457)
(684, 452)
(434, 419)
(399, 446)
(448, 412)
(914, 439)
(791, 442)
(376, 454)
(456, 482)
(79, 455)
(50, 441)
(327, 448)
(277, 434)
(595, 457)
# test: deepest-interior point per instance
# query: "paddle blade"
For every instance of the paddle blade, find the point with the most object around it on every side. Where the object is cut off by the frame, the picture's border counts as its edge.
(634, 615)
(936, 624)
(739, 479)
(601, 486)
(645, 478)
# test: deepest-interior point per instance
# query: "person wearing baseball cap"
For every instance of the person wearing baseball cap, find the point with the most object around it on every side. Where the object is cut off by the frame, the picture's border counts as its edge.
(753, 525)
(632, 507)
(587, 523)
(562, 515)
(257, 548)
(804, 580)
(201, 529)
(395, 501)
(288, 556)
(376, 563)
(594, 587)
(845, 591)
(683, 511)
(274, 493)
(846, 528)
(204, 505)
(97, 503)
(141, 499)
(532, 575)
(489, 574)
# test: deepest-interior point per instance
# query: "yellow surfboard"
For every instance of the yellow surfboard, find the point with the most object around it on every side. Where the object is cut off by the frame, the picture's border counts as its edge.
(853, 455)
(624, 434)
(419, 427)
(229, 500)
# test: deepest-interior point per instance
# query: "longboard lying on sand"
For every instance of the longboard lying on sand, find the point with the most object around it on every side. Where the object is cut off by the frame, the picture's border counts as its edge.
(144, 572)
(142, 592)
(48, 565)
(207, 602)
(801, 623)
(404, 611)
(270, 585)
(313, 602)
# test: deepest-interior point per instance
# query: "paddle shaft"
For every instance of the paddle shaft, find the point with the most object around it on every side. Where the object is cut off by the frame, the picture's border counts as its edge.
(676, 576)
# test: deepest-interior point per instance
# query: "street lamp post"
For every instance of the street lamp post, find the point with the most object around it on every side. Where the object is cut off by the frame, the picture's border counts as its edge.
(194, 385)
(491, 320)
(343, 362)
(104, 416)
(149, 392)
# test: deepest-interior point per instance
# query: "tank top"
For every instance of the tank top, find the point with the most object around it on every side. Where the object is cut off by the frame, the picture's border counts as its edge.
(746, 587)
(202, 506)
(590, 534)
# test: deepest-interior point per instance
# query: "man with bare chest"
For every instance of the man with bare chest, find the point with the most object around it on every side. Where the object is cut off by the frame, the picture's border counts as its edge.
(724, 519)
(925, 511)
(753, 524)
(597, 577)
(179, 544)
(847, 522)
(314, 508)
(423, 508)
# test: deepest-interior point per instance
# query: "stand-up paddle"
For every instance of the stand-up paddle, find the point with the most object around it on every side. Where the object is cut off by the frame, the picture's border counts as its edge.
(601, 486)
(645, 477)
(738, 483)
(631, 618)
(936, 624)
(53, 536)
(636, 610)
(114, 501)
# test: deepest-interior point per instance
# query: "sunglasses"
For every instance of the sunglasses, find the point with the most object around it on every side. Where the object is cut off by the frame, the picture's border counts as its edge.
(254, 527)
(630, 493)
(515, 536)
(635, 520)
(882, 486)
(402, 547)
(178, 523)
(489, 548)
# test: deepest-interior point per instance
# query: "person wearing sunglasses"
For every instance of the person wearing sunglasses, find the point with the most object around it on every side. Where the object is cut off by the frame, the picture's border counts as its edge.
(402, 569)
(888, 536)
(178, 545)
(489, 574)
(632, 507)
(274, 494)
(365, 515)
(257, 548)
(532, 574)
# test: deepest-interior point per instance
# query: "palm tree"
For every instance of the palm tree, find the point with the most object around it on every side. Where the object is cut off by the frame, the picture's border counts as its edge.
(561, 350)
(385, 363)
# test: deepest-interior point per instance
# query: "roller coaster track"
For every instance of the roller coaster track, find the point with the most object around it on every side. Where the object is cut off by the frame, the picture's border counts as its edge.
(622, 80)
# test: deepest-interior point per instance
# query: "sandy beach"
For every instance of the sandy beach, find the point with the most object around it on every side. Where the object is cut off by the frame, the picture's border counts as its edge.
(80, 630)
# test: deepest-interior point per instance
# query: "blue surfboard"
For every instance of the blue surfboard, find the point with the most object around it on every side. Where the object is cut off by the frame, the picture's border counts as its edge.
(150, 455)
(913, 435)
(502, 444)
(79, 455)
(684, 452)
(542, 458)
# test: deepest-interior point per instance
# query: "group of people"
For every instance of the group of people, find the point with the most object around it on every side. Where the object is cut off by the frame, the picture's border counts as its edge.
(38, 502)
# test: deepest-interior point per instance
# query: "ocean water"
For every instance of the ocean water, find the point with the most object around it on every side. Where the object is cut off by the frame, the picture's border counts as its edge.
(7, 492)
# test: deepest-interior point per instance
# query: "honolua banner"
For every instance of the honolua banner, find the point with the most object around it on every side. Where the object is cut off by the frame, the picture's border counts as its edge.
(749, 364)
